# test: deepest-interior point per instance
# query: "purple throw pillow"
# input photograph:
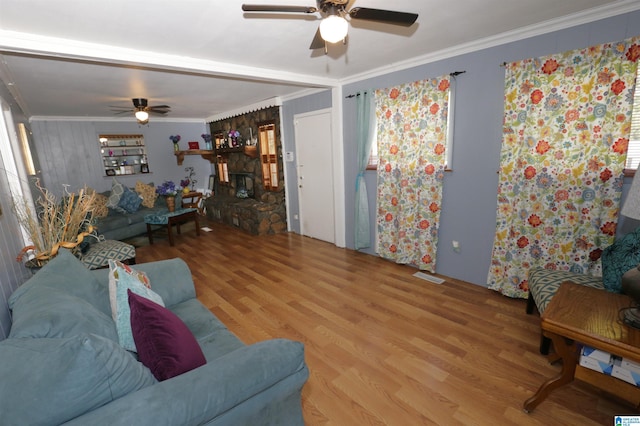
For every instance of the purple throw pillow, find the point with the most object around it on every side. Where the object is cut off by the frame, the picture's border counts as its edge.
(165, 345)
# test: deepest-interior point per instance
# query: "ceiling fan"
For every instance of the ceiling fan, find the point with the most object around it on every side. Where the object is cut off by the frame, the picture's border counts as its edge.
(334, 26)
(141, 109)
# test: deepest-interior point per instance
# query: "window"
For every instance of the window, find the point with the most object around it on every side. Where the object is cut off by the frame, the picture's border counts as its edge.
(633, 154)
(223, 169)
(15, 170)
(268, 155)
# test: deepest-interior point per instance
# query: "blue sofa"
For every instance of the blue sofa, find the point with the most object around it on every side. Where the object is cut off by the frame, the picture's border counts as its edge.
(62, 363)
(121, 226)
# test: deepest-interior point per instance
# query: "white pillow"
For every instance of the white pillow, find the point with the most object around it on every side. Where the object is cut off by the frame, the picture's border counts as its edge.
(121, 278)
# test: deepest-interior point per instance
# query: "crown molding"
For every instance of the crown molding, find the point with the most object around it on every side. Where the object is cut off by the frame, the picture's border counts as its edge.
(594, 14)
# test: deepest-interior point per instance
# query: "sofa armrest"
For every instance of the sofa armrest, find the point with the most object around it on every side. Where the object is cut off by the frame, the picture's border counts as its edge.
(170, 278)
(239, 385)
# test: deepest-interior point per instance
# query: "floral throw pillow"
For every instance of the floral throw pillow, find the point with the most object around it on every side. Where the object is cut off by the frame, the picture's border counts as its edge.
(148, 194)
(122, 278)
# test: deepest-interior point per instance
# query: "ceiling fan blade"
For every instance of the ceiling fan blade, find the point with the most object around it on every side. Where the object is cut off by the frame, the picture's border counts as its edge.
(387, 16)
(157, 112)
(126, 111)
(159, 107)
(317, 42)
(274, 8)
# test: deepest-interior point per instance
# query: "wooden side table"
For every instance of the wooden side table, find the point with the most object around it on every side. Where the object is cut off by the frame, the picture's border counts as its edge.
(580, 315)
(169, 219)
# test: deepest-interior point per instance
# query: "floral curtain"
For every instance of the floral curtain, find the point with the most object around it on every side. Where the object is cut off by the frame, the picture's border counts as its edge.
(412, 132)
(566, 128)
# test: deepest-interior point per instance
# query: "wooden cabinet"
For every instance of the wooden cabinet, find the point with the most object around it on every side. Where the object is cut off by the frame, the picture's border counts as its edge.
(123, 154)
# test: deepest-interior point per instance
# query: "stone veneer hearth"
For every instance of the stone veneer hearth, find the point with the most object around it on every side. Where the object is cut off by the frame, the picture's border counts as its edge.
(265, 212)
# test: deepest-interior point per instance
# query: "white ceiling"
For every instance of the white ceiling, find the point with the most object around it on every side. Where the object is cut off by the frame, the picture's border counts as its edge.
(76, 58)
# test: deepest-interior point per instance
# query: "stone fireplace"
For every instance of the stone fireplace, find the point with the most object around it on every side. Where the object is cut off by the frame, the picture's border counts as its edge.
(242, 200)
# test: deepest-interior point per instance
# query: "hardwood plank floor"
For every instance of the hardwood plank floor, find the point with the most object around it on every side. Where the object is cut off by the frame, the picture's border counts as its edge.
(383, 347)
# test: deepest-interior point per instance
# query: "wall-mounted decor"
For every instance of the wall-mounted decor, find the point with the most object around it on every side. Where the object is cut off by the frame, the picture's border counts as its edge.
(194, 145)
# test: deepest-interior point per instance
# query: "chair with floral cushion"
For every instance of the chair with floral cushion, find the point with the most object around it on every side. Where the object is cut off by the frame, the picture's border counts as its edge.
(620, 257)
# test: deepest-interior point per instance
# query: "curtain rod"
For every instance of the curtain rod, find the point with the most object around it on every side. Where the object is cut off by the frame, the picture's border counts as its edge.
(452, 74)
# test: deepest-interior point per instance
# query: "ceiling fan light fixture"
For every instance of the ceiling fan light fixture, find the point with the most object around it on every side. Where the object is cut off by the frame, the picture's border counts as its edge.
(142, 115)
(333, 28)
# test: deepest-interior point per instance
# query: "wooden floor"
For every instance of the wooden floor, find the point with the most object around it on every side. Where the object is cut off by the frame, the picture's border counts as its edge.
(383, 347)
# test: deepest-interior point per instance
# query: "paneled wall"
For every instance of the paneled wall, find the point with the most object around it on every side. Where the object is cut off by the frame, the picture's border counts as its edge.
(69, 153)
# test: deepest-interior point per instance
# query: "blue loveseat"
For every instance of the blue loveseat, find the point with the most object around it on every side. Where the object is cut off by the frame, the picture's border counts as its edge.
(62, 363)
(118, 225)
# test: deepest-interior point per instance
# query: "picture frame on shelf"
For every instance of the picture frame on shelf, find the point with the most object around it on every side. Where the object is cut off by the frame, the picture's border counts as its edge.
(110, 172)
(144, 168)
(194, 145)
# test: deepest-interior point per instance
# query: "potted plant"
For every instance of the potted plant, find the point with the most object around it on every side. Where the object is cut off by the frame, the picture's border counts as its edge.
(54, 224)
(169, 190)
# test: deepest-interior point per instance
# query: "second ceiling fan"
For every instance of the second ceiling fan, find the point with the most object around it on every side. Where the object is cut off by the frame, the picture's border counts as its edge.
(334, 26)
(141, 109)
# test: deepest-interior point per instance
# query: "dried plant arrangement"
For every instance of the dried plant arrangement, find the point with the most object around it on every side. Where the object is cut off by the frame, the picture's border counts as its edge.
(55, 223)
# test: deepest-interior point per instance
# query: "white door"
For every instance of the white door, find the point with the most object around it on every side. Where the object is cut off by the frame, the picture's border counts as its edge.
(315, 174)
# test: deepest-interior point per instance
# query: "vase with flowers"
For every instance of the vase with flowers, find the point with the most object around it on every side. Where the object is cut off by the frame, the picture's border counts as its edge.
(233, 136)
(207, 140)
(169, 191)
(175, 139)
(184, 183)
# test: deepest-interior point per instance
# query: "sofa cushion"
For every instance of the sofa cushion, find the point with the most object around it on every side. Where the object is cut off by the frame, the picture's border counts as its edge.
(122, 278)
(618, 258)
(165, 344)
(214, 338)
(147, 192)
(65, 378)
(49, 312)
(66, 273)
(544, 283)
(130, 201)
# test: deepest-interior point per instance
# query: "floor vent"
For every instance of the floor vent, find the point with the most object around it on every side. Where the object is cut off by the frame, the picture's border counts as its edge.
(428, 277)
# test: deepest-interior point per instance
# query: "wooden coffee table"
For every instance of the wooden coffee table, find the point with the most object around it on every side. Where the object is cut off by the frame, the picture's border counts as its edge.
(579, 315)
(169, 219)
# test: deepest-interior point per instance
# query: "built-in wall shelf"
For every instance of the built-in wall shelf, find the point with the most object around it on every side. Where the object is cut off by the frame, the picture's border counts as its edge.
(207, 154)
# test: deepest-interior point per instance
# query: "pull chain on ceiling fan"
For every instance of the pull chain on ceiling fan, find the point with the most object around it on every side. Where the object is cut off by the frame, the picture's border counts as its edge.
(334, 26)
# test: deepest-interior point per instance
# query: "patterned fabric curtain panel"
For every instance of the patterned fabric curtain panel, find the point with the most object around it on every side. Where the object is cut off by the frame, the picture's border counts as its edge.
(412, 133)
(566, 131)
